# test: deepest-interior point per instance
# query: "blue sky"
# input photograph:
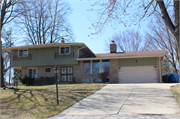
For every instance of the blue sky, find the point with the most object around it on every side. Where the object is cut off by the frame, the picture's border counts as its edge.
(81, 21)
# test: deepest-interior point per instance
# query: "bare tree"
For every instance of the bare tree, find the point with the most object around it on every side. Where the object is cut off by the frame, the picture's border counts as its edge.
(17, 76)
(47, 22)
(160, 38)
(128, 41)
(114, 11)
(166, 67)
(8, 42)
(10, 9)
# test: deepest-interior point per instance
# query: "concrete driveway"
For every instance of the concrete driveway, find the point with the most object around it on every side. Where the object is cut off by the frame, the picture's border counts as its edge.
(119, 99)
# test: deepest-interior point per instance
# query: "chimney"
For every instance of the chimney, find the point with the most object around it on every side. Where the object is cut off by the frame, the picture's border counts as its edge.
(113, 47)
(62, 41)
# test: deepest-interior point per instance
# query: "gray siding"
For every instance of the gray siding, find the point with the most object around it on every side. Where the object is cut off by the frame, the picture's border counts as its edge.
(46, 56)
(81, 53)
(141, 61)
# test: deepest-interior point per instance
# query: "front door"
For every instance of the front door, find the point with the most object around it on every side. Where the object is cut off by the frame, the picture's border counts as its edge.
(66, 74)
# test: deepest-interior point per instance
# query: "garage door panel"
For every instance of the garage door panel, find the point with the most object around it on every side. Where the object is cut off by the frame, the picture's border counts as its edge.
(146, 74)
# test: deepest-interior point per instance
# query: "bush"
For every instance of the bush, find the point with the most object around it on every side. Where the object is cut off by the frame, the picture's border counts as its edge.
(45, 81)
(28, 81)
(104, 76)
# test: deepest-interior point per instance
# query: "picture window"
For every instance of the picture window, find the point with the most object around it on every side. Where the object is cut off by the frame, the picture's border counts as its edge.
(96, 66)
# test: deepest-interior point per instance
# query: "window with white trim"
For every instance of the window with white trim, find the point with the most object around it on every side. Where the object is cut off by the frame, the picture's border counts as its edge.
(64, 50)
(23, 53)
(32, 73)
(66, 74)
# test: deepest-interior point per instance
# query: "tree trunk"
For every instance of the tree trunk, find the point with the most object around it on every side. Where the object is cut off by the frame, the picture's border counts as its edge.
(2, 76)
(176, 24)
(166, 17)
(174, 28)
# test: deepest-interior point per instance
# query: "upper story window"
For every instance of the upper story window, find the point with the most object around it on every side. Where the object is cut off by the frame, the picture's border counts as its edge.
(23, 53)
(64, 50)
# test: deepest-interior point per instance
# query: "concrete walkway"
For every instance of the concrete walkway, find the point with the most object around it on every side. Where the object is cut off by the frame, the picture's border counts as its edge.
(126, 99)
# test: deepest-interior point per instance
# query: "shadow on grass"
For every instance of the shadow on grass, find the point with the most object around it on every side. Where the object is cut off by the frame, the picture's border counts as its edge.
(36, 102)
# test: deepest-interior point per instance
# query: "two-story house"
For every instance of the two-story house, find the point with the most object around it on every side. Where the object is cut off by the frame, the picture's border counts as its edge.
(77, 60)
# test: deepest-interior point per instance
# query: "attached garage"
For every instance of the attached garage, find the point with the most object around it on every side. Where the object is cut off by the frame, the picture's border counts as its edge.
(138, 74)
(138, 70)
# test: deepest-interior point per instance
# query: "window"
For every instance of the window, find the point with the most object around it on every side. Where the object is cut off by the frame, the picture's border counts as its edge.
(63, 78)
(64, 50)
(47, 69)
(63, 70)
(95, 66)
(105, 66)
(32, 73)
(23, 53)
(66, 74)
(69, 77)
(86, 80)
(86, 67)
(96, 80)
(69, 70)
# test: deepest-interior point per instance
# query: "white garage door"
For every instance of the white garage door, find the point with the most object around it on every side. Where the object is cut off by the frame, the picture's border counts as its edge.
(143, 74)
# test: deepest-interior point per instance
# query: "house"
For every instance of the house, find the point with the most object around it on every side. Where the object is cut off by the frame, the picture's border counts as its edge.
(78, 61)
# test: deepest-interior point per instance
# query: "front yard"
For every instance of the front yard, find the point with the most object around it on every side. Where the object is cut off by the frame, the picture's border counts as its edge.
(176, 92)
(40, 101)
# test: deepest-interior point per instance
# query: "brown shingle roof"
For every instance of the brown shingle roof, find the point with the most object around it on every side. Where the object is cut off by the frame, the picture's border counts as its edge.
(128, 55)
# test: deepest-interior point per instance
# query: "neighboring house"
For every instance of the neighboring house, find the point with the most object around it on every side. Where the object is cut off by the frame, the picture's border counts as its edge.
(78, 61)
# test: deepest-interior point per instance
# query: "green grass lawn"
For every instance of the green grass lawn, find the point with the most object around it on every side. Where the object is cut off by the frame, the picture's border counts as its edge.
(40, 101)
(176, 92)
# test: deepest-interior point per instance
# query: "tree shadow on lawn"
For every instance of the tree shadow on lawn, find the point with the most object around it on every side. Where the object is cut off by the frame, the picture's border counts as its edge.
(39, 101)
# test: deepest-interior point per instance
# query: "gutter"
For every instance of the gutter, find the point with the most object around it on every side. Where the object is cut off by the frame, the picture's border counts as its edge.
(118, 57)
(80, 49)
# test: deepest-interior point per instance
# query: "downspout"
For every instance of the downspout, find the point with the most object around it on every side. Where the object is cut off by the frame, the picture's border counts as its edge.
(160, 69)
(80, 49)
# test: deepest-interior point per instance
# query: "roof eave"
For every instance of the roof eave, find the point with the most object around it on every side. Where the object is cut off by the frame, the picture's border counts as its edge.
(41, 46)
(119, 57)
